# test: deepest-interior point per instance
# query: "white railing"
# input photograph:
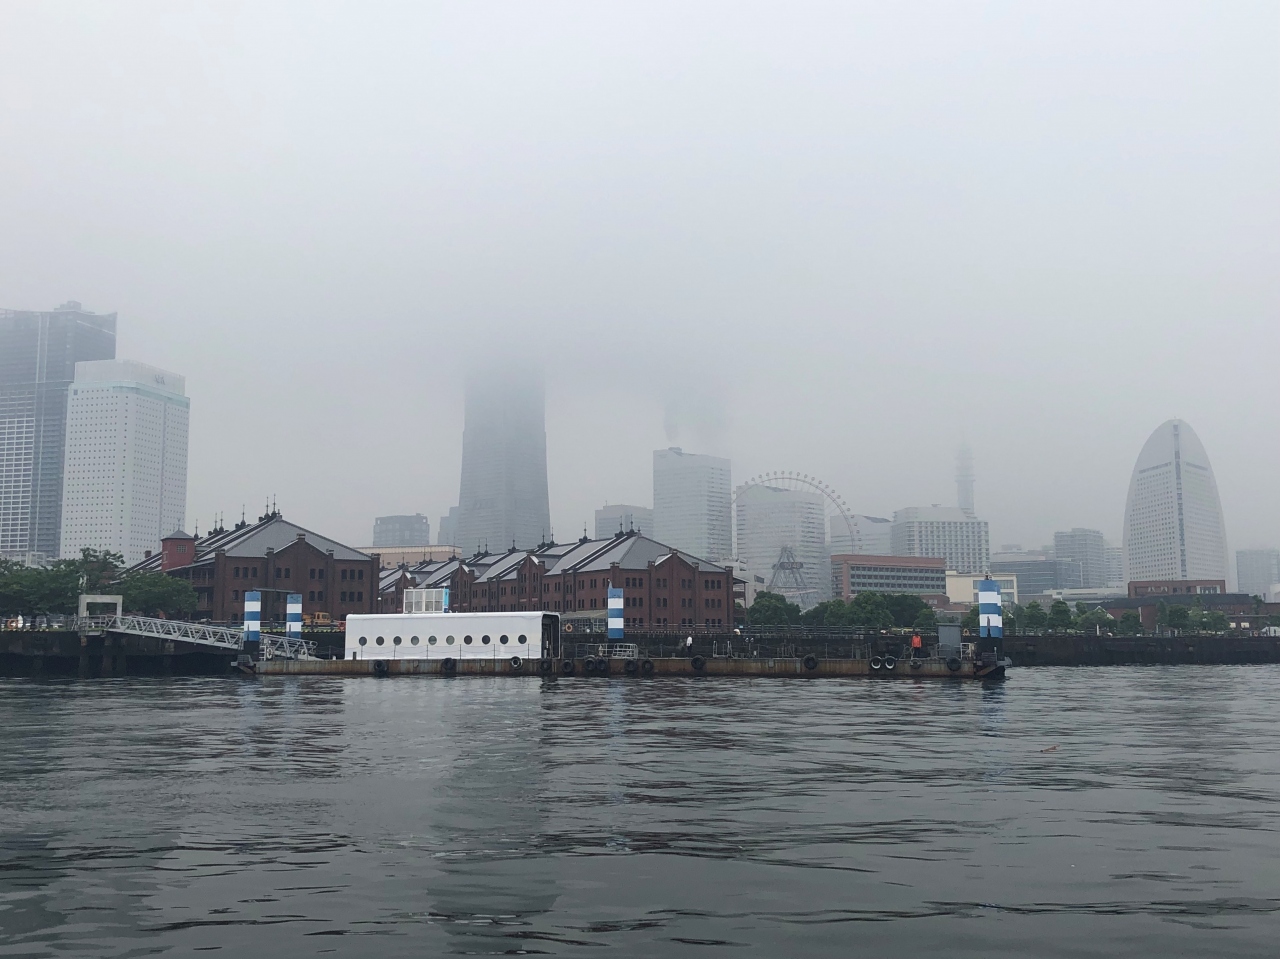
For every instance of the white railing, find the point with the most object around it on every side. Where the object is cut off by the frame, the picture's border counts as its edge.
(286, 647)
(609, 650)
(273, 646)
(218, 636)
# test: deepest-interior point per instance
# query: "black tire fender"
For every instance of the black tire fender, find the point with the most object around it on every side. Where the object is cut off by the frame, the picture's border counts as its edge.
(647, 667)
(890, 662)
(699, 663)
(566, 667)
(811, 662)
(953, 664)
(448, 665)
(516, 662)
(380, 667)
(546, 666)
(876, 662)
(916, 664)
(630, 667)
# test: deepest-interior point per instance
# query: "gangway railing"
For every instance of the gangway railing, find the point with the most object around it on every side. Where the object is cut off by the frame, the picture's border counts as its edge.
(608, 650)
(272, 646)
(197, 633)
(286, 647)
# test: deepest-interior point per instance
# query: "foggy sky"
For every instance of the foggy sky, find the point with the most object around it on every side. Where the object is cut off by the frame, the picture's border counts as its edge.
(837, 239)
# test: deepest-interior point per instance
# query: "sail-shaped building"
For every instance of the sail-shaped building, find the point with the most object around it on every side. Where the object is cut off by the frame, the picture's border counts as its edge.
(1173, 525)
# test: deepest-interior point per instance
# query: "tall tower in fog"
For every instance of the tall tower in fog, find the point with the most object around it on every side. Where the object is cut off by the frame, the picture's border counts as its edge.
(38, 356)
(502, 497)
(964, 479)
(1173, 527)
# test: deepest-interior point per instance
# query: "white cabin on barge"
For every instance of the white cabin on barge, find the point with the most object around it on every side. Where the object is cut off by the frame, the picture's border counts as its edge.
(528, 635)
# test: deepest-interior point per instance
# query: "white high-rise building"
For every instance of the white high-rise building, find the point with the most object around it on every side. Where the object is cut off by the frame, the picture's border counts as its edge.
(691, 503)
(125, 475)
(1173, 526)
(621, 518)
(870, 535)
(943, 532)
(771, 518)
(1257, 571)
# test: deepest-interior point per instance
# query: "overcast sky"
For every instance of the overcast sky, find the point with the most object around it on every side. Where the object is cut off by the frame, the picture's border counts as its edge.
(838, 239)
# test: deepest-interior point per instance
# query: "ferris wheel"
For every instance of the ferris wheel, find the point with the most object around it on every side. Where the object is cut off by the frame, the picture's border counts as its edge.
(835, 504)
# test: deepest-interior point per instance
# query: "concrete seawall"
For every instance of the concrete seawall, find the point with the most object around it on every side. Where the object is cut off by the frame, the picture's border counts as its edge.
(779, 668)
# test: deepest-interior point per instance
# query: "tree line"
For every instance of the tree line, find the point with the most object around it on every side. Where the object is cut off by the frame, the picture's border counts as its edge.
(55, 589)
(886, 610)
(866, 611)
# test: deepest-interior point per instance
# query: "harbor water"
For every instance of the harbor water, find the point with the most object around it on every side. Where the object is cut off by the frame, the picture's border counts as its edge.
(1065, 812)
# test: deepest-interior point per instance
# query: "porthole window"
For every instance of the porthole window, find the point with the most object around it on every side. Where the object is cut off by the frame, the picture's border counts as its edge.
(504, 640)
(431, 640)
(413, 641)
(467, 640)
(364, 640)
(397, 641)
(448, 640)
(485, 640)
(381, 640)
(523, 639)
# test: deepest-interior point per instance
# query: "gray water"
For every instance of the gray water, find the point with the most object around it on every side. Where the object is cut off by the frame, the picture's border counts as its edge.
(1067, 812)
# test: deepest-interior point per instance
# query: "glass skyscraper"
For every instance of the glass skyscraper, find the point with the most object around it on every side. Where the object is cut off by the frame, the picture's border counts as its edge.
(38, 356)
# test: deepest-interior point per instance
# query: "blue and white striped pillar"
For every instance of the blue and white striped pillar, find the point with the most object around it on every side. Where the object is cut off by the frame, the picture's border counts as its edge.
(293, 616)
(615, 613)
(990, 620)
(252, 617)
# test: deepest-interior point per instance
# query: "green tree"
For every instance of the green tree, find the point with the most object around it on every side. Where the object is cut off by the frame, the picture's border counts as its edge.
(1060, 618)
(153, 594)
(904, 607)
(1130, 623)
(926, 619)
(773, 609)
(970, 619)
(1034, 617)
(1095, 620)
(1175, 617)
(831, 613)
(1210, 621)
(870, 611)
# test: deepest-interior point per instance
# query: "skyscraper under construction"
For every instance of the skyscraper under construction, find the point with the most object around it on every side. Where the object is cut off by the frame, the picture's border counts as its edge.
(502, 498)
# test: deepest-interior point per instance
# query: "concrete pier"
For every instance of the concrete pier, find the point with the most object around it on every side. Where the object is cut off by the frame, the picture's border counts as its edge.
(777, 668)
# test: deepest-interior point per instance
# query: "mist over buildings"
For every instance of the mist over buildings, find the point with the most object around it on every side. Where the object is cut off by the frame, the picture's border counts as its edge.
(831, 238)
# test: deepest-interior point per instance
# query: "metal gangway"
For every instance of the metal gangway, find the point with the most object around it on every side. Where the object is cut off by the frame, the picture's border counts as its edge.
(272, 646)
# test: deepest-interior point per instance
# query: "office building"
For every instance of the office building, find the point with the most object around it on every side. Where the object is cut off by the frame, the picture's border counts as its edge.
(38, 357)
(447, 531)
(773, 519)
(963, 588)
(620, 518)
(1114, 559)
(1173, 525)
(869, 534)
(692, 499)
(502, 497)
(856, 573)
(1257, 571)
(401, 531)
(1087, 548)
(945, 532)
(964, 480)
(125, 463)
